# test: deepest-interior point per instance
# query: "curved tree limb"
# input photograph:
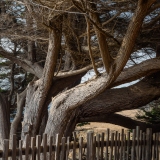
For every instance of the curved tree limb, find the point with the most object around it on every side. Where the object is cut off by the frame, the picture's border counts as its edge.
(138, 71)
(28, 66)
(76, 72)
(38, 90)
(124, 121)
(116, 100)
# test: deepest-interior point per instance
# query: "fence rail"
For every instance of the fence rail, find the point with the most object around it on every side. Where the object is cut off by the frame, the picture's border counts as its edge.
(133, 145)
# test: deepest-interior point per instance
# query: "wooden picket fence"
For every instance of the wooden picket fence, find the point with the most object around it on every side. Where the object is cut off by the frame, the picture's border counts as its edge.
(134, 145)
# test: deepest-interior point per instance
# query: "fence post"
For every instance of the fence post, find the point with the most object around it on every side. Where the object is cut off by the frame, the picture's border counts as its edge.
(32, 146)
(14, 147)
(133, 145)
(5, 149)
(44, 146)
(111, 150)
(94, 146)
(20, 149)
(90, 146)
(67, 150)
(27, 147)
(143, 146)
(122, 144)
(50, 147)
(116, 146)
(128, 145)
(107, 143)
(156, 149)
(38, 145)
(57, 151)
(102, 145)
(74, 146)
(148, 147)
(63, 149)
(80, 147)
(98, 146)
(137, 145)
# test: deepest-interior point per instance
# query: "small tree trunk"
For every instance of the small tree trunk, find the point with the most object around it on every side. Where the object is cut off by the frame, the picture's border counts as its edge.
(17, 120)
(4, 120)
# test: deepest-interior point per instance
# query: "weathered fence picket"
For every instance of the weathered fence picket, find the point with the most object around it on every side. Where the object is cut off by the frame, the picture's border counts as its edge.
(50, 147)
(38, 143)
(5, 149)
(33, 148)
(20, 149)
(133, 145)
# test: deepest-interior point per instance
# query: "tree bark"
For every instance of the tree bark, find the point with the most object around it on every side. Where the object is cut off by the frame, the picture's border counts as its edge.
(115, 100)
(17, 119)
(37, 91)
(103, 45)
(66, 102)
(4, 120)
(105, 104)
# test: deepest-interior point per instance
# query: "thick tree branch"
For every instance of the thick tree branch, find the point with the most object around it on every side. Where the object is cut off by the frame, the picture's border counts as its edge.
(151, 23)
(76, 72)
(103, 44)
(138, 71)
(115, 100)
(37, 91)
(123, 121)
(131, 36)
(28, 66)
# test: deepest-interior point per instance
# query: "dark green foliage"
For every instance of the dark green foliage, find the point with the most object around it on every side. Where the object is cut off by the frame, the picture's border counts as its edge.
(2, 91)
(152, 116)
(82, 124)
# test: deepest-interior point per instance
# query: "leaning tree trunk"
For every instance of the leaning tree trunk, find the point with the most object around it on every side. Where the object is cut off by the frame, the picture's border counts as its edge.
(4, 120)
(37, 91)
(65, 103)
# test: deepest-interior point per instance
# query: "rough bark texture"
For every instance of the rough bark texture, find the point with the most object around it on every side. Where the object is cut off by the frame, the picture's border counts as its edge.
(37, 91)
(130, 37)
(17, 119)
(4, 120)
(138, 71)
(115, 100)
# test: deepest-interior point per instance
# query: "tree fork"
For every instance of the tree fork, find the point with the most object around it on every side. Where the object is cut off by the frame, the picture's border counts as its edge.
(37, 91)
